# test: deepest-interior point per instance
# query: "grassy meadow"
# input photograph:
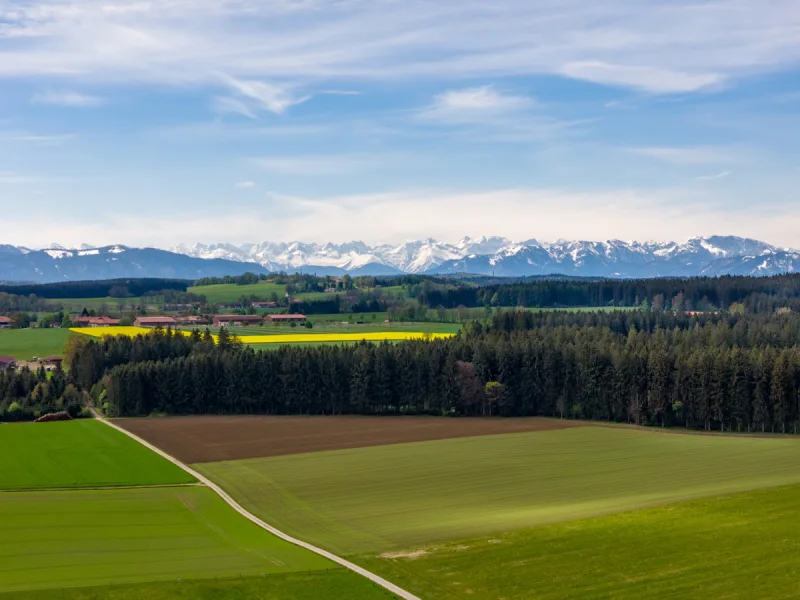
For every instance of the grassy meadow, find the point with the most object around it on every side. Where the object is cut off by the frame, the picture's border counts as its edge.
(78, 454)
(378, 499)
(230, 292)
(333, 584)
(736, 547)
(24, 344)
(97, 537)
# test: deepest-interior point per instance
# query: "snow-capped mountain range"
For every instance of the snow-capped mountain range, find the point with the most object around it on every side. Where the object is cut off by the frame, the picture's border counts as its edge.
(716, 255)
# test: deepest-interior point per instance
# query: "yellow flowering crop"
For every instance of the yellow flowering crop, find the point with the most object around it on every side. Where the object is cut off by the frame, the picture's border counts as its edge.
(379, 336)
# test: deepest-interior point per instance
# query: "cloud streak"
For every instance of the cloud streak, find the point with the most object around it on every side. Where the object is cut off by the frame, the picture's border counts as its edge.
(67, 98)
(720, 175)
(654, 46)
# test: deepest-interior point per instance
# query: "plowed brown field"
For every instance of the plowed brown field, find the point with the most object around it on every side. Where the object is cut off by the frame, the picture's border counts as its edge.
(212, 439)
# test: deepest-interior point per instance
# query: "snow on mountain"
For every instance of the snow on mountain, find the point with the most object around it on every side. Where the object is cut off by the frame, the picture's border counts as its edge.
(501, 256)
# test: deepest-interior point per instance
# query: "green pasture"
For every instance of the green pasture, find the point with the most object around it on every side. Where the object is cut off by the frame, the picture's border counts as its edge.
(97, 537)
(372, 500)
(230, 292)
(113, 304)
(24, 344)
(78, 454)
(334, 584)
(740, 547)
(328, 326)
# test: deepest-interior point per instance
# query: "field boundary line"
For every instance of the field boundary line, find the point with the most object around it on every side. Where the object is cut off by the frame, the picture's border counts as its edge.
(102, 488)
(388, 585)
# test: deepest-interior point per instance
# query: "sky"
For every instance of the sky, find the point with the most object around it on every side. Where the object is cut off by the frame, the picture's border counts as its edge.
(153, 123)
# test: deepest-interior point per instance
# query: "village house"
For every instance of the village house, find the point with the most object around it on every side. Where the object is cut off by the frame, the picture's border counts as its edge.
(193, 320)
(7, 363)
(5, 322)
(265, 304)
(287, 318)
(95, 321)
(236, 320)
(51, 362)
(161, 321)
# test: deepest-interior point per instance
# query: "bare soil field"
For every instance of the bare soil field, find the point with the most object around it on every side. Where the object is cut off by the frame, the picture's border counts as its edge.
(211, 438)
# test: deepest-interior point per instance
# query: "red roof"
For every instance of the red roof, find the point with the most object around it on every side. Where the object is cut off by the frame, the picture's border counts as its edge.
(5, 320)
(286, 317)
(7, 360)
(155, 320)
(238, 317)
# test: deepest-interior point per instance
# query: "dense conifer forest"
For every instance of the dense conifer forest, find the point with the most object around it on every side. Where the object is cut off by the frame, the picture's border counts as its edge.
(715, 372)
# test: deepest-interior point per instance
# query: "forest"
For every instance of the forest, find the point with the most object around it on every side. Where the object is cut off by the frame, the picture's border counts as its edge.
(723, 371)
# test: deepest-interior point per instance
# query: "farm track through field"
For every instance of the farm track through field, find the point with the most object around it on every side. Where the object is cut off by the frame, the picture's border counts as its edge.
(398, 591)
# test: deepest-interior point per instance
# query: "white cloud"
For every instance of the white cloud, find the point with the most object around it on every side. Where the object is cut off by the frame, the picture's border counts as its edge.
(67, 98)
(653, 45)
(319, 164)
(692, 155)
(651, 79)
(265, 96)
(472, 105)
(245, 185)
(519, 213)
(720, 175)
(224, 104)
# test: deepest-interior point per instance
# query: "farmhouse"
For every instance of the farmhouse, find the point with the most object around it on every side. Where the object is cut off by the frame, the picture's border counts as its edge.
(51, 362)
(228, 320)
(95, 321)
(155, 322)
(265, 304)
(287, 318)
(5, 322)
(193, 320)
(7, 363)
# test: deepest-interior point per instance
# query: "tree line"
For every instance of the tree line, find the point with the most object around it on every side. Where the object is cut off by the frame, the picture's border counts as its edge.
(712, 372)
(26, 395)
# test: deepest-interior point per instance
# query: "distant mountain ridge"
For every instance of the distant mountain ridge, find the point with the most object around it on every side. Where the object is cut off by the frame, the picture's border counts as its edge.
(19, 264)
(715, 255)
(501, 257)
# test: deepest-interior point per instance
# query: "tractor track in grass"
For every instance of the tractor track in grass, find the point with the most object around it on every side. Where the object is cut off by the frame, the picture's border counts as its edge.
(102, 488)
(396, 590)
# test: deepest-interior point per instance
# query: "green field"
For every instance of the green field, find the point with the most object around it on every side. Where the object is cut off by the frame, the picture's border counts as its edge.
(329, 326)
(336, 584)
(372, 500)
(78, 304)
(738, 547)
(230, 292)
(76, 454)
(24, 344)
(95, 537)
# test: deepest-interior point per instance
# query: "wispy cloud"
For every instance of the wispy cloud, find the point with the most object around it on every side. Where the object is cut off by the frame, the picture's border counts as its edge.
(260, 95)
(651, 79)
(225, 104)
(67, 98)
(35, 138)
(245, 185)
(720, 175)
(693, 155)
(319, 164)
(474, 104)
(653, 45)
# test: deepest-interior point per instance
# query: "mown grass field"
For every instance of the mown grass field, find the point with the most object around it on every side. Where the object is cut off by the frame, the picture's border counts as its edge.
(96, 537)
(336, 584)
(78, 304)
(24, 344)
(739, 547)
(230, 292)
(78, 454)
(372, 500)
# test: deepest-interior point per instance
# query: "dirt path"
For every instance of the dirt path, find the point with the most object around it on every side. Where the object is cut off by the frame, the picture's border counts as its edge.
(397, 591)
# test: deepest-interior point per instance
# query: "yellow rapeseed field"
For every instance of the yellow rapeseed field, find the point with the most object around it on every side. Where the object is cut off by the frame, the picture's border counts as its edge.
(282, 339)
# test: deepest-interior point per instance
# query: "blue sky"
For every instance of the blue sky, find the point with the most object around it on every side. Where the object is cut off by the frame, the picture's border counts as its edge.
(160, 122)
